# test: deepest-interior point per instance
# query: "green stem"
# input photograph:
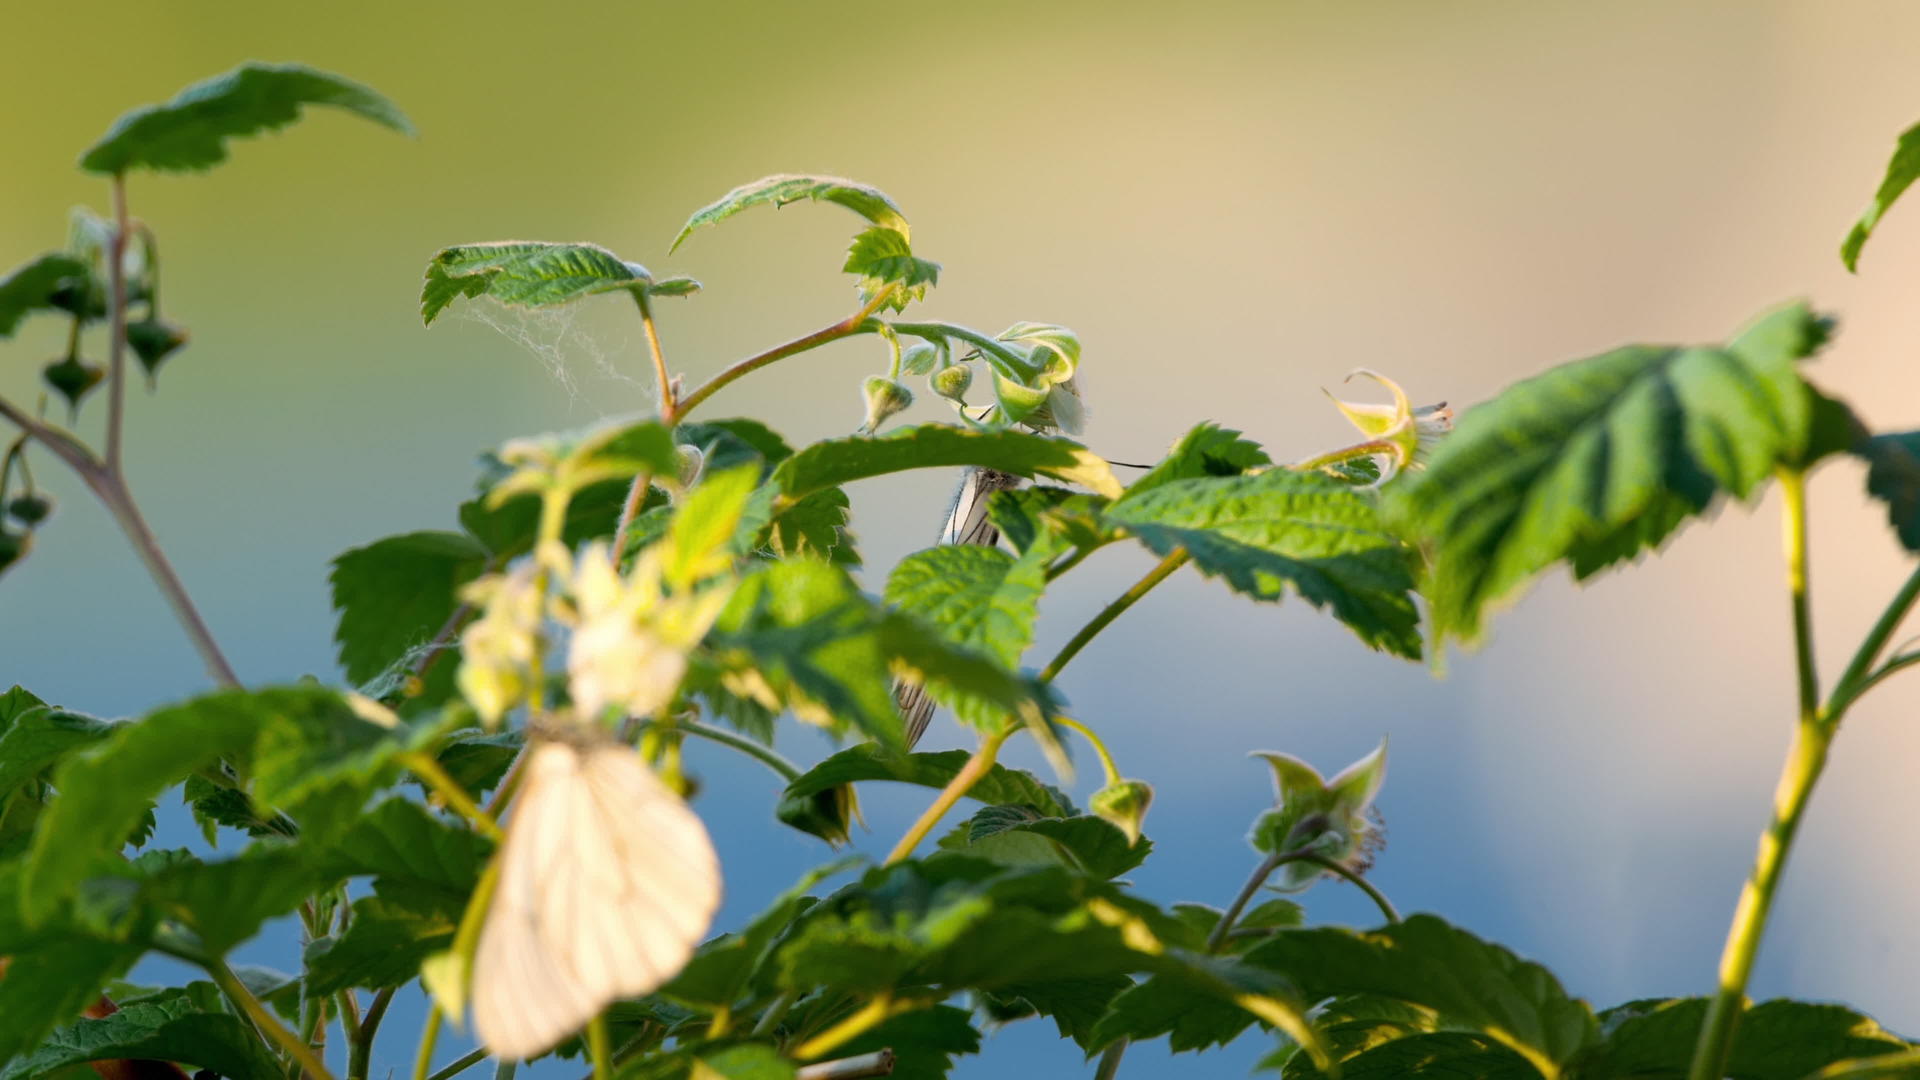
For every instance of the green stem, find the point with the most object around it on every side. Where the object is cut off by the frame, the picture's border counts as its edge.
(1805, 760)
(667, 405)
(461, 1064)
(265, 1021)
(883, 1007)
(765, 755)
(1855, 680)
(976, 768)
(1110, 1061)
(598, 1044)
(360, 1059)
(1333, 866)
(1113, 611)
(769, 1021)
(1099, 746)
(427, 768)
(852, 324)
(1258, 878)
(429, 1035)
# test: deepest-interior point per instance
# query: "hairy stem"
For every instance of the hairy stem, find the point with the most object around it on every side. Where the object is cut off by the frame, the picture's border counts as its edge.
(1258, 878)
(852, 324)
(1359, 881)
(1113, 611)
(765, 755)
(1805, 760)
(1855, 680)
(461, 1064)
(970, 774)
(264, 1020)
(667, 404)
(1099, 746)
(360, 1059)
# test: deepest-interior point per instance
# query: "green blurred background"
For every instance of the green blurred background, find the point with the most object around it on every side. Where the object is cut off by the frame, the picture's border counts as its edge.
(1233, 205)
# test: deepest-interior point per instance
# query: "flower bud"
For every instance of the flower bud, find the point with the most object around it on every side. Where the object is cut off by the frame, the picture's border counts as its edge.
(692, 463)
(31, 509)
(74, 378)
(884, 398)
(1124, 803)
(152, 341)
(13, 547)
(952, 382)
(828, 814)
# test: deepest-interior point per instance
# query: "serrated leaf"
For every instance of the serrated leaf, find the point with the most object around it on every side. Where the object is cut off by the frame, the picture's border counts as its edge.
(411, 853)
(981, 598)
(191, 131)
(1036, 516)
(527, 274)
(319, 760)
(883, 259)
(1000, 785)
(508, 530)
(477, 760)
(1424, 961)
(32, 287)
(1279, 530)
(227, 901)
(383, 946)
(213, 806)
(395, 594)
(707, 522)
(1207, 450)
(38, 738)
(1893, 477)
(924, 1042)
(869, 202)
(1074, 1005)
(1778, 1040)
(1599, 459)
(735, 441)
(169, 1026)
(1444, 1055)
(1902, 170)
(723, 969)
(833, 462)
(1022, 836)
(106, 787)
(55, 967)
(815, 526)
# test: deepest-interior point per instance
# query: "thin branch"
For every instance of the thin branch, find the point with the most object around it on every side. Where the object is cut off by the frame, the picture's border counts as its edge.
(847, 327)
(1113, 611)
(117, 343)
(265, 1021)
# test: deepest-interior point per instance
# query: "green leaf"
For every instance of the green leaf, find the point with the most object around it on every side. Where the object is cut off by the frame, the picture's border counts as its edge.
(838, 461)
(214, 805)
(1207, 450)
(707, 521)
(38, 738)
(412, 854)
(383, 946)
(1074, 1005)
(1904, 1065)
(750, 1061)
(727, 443)
(1893, 477)
(1779, 1040)
(1902, 170)
(1424, 961)
(55, 969)
(778, 191)
(105, 788)
(1599, 459)
(509, 529)
(226, 902)
(924, 1042)
(395, 594)
(882, 258)
(191, 131)
(170, 1026)
(319, 761)
(724, 968)
(526, 274)
(815, 526)
(981, 598)
(1051, 517)
(1445, 1055)
(977, 688)
(1001, 785)
(477, 760)
(1265, 533)
(1019, 835)
(34, 287)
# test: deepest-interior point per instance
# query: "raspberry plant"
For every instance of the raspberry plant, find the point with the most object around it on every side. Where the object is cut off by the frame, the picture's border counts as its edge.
(611, 593)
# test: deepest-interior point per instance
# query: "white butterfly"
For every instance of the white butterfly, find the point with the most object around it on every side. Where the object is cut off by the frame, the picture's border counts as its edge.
(607, 883)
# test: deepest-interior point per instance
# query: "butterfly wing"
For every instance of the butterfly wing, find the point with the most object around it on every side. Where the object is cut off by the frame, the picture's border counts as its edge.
(607, 883)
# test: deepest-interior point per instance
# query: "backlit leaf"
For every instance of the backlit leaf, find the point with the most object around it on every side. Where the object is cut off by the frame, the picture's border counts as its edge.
(838, 461)
(526, 274)
(778, 191)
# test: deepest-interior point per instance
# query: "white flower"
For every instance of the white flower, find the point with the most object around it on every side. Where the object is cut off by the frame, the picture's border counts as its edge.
(631, 639)
(1402, 434)
(497, 649)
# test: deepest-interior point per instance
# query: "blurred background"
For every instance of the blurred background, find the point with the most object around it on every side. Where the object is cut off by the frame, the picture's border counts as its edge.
(1234, 205)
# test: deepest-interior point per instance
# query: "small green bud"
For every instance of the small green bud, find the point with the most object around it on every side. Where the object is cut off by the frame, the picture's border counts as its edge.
(691, 463)
(1125, 804)
(74, 378)
(13, 547)
(828, 814)
(30, 509)
(152, 342)
(884, 398)
(952, 382)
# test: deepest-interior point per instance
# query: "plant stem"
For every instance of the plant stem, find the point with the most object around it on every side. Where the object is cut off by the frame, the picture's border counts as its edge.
(857, 1023)
(636, 497)
(461, 1064)
(1110, 1061)
(599, 1046)
(1113, 611)
(970, 774)
(769, 1021)
(428, 769)
(360, 1059)
(1805, 760)
(429, 1035)
(852, 324)
(878, 1063)
(117, 323)
(1099, 746)
(1259, 877)
(265, 1021)
(667, 404)
(765, 755)
(1854, 681)
(1333, 866)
